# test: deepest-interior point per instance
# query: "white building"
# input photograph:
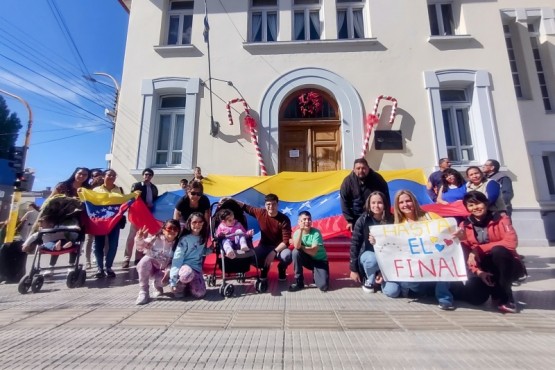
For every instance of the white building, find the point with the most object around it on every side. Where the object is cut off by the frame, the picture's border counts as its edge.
(474, 80)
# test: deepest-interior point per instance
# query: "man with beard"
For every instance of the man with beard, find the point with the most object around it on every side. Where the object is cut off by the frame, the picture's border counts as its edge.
(357, 187)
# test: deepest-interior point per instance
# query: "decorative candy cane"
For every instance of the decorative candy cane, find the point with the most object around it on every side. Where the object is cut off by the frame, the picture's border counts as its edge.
(251, 124)
(373, 120)
(228, 107)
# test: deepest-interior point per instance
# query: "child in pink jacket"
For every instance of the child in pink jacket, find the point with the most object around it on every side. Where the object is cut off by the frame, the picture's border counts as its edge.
(158, 253)
(233, 232)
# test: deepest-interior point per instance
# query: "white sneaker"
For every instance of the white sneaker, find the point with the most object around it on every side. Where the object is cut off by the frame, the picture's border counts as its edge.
(158, 292)
(142, 298)
(49, 272)
(367, 288)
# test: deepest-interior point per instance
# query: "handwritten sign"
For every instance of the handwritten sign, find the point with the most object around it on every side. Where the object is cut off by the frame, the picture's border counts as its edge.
(419, 251)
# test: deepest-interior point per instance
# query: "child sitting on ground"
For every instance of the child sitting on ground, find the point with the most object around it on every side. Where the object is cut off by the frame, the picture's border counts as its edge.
(158, 251)
(186, 270)
(233, 232)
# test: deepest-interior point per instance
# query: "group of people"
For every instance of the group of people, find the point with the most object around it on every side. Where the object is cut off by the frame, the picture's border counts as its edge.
(103, 247)
(447, 185)
(488, 238)
(176, 253)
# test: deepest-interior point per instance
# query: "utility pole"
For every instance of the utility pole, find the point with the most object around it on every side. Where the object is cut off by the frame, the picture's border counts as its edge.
(16, 197)
(112, 113)
(214, 126)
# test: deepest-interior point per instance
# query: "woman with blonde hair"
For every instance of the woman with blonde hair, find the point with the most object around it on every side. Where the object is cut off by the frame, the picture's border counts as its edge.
(406, 209)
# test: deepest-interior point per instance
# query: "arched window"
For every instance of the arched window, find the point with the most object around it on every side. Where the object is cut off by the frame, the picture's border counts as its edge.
(310, 104)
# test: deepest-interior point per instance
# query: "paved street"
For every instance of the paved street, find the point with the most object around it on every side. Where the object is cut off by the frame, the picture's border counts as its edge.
(99, 326)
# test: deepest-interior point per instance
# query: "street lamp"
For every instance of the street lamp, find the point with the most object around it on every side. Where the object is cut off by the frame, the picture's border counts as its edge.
(113, 114)
(16, 197)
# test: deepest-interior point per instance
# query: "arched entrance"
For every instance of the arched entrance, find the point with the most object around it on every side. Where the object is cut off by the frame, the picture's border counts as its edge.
(309, 132)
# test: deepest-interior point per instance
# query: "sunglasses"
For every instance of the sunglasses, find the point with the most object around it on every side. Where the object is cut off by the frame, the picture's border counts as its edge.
(171, 228)
(195, 193)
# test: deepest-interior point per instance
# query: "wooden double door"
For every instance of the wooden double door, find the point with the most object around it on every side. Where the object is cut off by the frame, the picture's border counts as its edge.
(309, 146)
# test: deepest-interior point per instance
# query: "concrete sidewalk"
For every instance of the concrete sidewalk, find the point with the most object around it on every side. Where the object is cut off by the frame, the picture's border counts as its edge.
(100, 326)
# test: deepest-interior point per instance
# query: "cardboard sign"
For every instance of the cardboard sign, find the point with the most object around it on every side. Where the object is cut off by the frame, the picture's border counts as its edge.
(419, 251)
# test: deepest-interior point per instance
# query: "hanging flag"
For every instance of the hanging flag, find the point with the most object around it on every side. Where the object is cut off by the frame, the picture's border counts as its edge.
(206, 29)
(104, 210)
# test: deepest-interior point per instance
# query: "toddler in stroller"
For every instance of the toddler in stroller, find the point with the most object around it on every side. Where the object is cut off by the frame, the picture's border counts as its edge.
(57, 232)
(234, 252)
(232, 233)
(52, 240)
(57, 224)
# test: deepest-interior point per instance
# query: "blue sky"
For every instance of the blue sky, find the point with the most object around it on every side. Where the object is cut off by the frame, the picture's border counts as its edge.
(46, 47)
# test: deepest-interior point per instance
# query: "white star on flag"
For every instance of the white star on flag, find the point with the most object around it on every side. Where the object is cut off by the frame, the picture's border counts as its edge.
(287, 211)
(305, 204)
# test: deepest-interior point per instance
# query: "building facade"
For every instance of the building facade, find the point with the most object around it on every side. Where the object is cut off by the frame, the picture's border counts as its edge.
(473, 80)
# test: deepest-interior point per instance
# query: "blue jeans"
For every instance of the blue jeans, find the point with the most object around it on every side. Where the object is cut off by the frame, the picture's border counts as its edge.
(99, 241)
(369, 265)
(440, 289)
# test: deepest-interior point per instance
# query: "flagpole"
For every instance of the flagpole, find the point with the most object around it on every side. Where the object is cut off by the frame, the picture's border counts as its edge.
(214, 126)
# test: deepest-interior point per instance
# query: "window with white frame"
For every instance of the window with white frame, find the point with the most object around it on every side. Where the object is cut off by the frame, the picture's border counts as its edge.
(441, 18)
(456, 126)
(169, 135)
(462, 115)
(306, 19)
(169, 118)
(534, 42)
(350, 19)
(180, 22)
(264, 20)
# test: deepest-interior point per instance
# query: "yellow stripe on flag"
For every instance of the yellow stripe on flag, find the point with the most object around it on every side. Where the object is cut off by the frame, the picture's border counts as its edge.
(104, 199)
(222, 185)
(410, 174)
(300, 186)
(297, 186)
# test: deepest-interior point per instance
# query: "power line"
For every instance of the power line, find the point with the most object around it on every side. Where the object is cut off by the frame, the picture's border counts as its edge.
(56, 129)
(67, 34)
(21, 44)
(68, 137)
(54, 94)
(51, 80)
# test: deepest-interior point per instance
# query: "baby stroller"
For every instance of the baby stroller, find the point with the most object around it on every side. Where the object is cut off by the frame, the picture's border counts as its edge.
(60, 221)
(241, 264)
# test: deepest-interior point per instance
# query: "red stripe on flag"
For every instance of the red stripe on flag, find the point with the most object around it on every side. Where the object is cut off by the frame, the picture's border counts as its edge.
(140, 216)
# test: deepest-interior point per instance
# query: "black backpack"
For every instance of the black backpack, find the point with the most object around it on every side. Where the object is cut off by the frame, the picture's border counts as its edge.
(12, 262)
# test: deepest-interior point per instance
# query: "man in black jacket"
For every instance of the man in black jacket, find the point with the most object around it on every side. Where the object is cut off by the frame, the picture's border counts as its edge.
(355, 189)
(149, 194)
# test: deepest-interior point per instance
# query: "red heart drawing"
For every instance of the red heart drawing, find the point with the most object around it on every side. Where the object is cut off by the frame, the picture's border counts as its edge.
(448, 241)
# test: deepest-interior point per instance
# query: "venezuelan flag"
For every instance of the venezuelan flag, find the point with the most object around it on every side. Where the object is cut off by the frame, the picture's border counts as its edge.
(316, 192)
(104, 210)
